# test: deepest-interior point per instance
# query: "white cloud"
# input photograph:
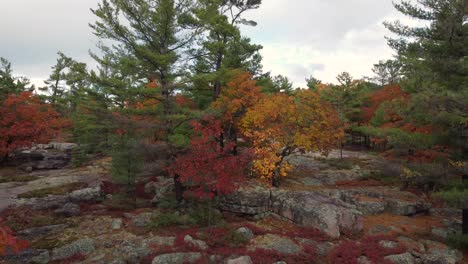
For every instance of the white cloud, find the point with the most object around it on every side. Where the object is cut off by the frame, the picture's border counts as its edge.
(300, 37)
(341, 35)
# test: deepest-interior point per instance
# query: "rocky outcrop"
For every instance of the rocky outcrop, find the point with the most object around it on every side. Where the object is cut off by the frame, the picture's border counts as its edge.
(239, 260)
(245, 233)
(42, 258)
(87, 195)
(80, 247)
(250, 200)
(309, 209)
(438, 253)
(43, 156)
(195, 242)
(316, 210)
(383, 199)
(141, 220)
(68, 210)
(277, 243)
(38, 232)
(405, 258)
(160, 188)
(177, 258)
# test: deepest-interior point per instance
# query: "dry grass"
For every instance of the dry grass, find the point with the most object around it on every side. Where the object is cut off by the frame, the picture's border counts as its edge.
(57, 190)
(413, 227)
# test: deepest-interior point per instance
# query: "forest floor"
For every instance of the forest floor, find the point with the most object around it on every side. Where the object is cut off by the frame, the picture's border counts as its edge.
(75, 215)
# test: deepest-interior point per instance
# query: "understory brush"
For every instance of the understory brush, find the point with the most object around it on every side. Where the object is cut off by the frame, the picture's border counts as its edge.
(458, 241)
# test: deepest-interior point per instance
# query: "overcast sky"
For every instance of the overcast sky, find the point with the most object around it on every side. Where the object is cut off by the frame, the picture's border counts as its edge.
(300, 37)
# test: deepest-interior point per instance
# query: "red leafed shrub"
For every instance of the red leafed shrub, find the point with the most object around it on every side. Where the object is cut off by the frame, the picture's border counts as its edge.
(388, 93)
(349, 251)
(426, 156)
(77, 258)
(264, 256)
(25, 120)
(185, 101)
(140, 191)
(9, 243)
(210, 167)
(109, 188)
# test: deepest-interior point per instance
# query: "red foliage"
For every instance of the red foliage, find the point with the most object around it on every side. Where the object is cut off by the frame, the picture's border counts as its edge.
(264, 256)
(219, 244)
(419, 156)
(25, 120)
(210, 167)
(428, 129)
(77, 258)
(109, 188)
(387, 93)
(140, 191)
(349, 251)
(9, 243)
(184, 101)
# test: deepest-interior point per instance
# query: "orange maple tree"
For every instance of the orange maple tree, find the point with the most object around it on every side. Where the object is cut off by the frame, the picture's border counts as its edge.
(240, 93)
(280, 125)
(24, 120)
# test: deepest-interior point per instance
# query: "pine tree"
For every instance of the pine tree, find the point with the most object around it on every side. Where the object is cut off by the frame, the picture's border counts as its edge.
(222, 47)
(434, 63)
(10, 84)
(387, 72)
(434, 56)
(151, 38)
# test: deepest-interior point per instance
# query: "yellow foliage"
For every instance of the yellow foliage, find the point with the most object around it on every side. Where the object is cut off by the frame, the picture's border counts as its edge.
(280, 124)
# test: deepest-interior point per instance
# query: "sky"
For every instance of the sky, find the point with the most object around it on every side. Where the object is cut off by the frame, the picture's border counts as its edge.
(300, 38)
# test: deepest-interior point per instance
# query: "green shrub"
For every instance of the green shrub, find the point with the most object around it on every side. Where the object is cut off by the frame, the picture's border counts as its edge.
(170, 219)
(458, 241)
(236, 239)
(120, 201)
(455, 195)
(126, 160)
(168, 203)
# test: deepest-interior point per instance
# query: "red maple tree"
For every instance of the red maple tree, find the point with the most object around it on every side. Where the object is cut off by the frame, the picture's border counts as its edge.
(209, 167)
(386, 94)
(24, 120)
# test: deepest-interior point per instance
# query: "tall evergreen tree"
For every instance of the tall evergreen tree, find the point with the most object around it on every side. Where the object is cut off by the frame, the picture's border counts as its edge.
(66, 84)
(222, 47)
(151, 38)
(56, 81)
(435, 53)
(435, 64)
(387, 72)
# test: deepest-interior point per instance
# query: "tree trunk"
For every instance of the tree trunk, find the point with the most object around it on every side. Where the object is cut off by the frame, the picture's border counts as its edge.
(4, 159)
(465, 222)
(341, 150)
(232, 137)
(179, 189)
(275, 180)
(465, 210)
